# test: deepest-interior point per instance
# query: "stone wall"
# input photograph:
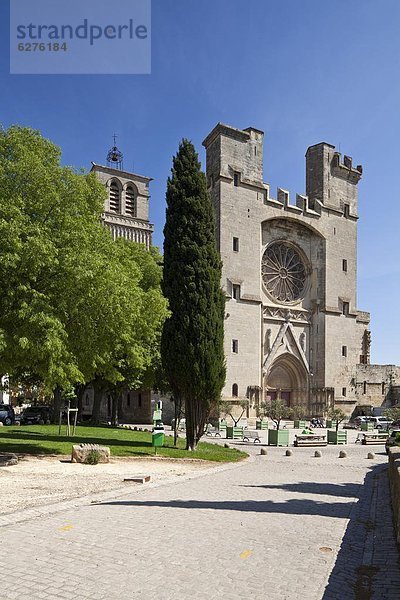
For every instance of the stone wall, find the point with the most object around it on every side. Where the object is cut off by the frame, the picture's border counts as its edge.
(394, 480)
(377, 385)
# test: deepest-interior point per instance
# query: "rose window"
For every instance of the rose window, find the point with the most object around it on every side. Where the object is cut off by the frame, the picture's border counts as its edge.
(283, 272)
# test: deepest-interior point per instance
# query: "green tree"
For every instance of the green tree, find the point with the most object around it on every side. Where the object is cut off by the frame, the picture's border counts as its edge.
(192, 341)
(139, 311)
(298, 412)
(227, 407)
(75, 306)
(49, 223)
(392, 413)
(276, 410)
(337, 415)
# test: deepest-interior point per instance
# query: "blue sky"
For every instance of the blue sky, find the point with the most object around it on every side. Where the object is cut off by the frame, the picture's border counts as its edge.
(302, 71)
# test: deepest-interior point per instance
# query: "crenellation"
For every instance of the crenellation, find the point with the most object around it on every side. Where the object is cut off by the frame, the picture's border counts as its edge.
(300, 335)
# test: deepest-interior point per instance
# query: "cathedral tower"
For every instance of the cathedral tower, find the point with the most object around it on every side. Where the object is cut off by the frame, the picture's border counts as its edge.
(292, 328)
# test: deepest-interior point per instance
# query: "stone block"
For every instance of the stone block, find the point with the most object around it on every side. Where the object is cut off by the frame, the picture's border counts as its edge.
(8, 460)
(138, 479)
(80, 453)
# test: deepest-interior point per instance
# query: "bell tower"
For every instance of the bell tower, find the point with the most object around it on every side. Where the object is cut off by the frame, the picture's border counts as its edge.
(126, 209)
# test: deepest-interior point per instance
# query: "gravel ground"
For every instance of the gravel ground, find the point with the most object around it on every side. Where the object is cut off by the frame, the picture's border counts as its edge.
(41, 481)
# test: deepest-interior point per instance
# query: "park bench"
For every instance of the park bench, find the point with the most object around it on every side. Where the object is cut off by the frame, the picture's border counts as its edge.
(212, 431)
(374, 438)
(310, 440)
(251, 435)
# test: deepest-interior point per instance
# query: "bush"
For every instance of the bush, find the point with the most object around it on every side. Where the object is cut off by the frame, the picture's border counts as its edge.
(93, 458)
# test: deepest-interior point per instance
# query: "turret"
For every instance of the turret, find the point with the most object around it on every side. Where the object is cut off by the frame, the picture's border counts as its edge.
(330, 180)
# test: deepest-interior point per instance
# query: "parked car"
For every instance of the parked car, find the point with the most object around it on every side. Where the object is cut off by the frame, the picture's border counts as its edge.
(358, 420)
(380, 422)
(391, 441)
(7, 415)
(36, 415)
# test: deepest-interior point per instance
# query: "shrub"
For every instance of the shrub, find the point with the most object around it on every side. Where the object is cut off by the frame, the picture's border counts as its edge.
(92, 458)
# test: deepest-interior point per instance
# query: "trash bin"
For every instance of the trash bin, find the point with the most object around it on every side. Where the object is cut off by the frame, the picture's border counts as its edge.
(158, 435)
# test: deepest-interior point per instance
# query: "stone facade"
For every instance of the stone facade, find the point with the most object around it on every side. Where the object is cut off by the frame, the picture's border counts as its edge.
(136, 406)
(292, 326)
(126, 209)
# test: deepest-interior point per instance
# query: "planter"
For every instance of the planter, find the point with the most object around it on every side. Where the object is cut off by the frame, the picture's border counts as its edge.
(222, 426)
(262, 424)
(300, 424)
(234, 433)
(368, 426)
(278, 437)
(330, 424)
(337, 437)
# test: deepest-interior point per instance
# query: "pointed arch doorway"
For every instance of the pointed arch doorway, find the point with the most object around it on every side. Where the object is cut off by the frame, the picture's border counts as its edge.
(287, 380)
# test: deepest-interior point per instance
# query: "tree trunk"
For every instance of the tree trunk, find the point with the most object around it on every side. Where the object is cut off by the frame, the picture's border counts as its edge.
(116, 396)
(190, 436)
(114, 408)
(98, 396)
(119, 404)
(80, 391)
(57, 402)
(196, 419)
(177, 417)
(236, 421)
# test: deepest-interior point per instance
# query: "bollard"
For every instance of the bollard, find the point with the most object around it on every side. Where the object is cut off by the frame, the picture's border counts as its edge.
(370, 455)
(317, 454)
(289, 452)
(263, 452)
(342, 454)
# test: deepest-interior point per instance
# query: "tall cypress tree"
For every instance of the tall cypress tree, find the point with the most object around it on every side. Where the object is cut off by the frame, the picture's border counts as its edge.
(192, 341)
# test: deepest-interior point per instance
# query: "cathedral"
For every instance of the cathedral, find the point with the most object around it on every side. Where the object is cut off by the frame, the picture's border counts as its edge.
(293, 329)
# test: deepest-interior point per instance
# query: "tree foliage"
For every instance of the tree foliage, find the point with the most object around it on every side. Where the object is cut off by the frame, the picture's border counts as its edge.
(192, 341)
(298, 412)
(276, 410)
(75, 306)
(227, 408)
(392, 413)
(337, 415)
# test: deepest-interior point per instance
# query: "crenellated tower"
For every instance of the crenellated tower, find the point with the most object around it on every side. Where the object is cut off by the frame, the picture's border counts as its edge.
(292, 328)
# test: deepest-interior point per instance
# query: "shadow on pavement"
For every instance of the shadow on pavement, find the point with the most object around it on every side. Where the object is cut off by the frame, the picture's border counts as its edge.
(338, 510)
(346, 490)
(367, 564)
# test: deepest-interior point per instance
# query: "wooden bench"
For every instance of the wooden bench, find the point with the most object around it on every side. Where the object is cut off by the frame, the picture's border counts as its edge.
(310, 440)
(374, 438)
(213, 431)
(251, 435)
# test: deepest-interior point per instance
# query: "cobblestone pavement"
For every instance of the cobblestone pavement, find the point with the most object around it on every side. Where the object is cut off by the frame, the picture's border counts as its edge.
(273, 527)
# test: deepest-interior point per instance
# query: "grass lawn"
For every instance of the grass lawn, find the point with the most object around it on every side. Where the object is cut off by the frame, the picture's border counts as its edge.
(44, 439)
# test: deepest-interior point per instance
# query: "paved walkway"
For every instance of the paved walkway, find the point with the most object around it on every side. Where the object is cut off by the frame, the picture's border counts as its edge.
(274, 527)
